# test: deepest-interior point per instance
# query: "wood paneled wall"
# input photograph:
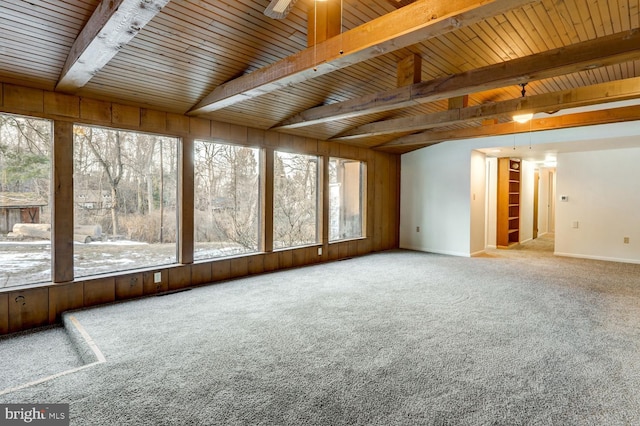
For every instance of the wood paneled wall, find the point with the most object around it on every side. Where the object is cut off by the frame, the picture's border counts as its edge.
(32, 306)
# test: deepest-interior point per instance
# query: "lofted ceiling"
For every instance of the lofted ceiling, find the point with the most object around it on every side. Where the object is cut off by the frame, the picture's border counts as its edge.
(225, 60)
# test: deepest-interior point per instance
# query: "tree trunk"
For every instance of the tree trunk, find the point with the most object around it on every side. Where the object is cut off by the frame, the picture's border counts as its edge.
(161, 196)
(114, 210)
(149, 192)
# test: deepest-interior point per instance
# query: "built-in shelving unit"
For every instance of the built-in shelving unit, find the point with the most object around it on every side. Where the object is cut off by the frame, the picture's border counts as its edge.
(508, 209)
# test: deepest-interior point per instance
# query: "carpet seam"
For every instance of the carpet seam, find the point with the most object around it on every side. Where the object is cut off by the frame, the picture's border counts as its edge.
(69, 321)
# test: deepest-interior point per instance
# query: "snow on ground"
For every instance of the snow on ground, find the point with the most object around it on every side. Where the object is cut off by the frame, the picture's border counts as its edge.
(24, 243)
(114, 243)
(29, 262)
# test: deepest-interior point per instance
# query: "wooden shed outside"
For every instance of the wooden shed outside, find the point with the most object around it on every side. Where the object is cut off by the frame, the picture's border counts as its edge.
(19, 207)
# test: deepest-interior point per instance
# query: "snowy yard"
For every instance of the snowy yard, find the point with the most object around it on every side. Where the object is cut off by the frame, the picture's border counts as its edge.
(30, 262)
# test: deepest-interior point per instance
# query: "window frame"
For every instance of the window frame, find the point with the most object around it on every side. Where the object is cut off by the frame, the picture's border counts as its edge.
(362, 188)
(319, 208)
(260, 157)
(177, 156)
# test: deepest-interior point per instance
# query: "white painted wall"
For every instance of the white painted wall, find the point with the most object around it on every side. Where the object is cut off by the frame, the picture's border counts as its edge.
(491, 201)
(552, 201)
(527, 180)
(477, 202)
(435, 187)
(603, 189)
(543, 202)
(434, 195)
(544, 205)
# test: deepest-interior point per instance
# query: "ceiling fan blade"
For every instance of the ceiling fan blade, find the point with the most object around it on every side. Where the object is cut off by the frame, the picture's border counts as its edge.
(278, 9)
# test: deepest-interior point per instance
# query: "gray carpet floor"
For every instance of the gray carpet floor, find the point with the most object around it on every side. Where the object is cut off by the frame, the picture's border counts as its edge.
(514, 337)
(33, 355)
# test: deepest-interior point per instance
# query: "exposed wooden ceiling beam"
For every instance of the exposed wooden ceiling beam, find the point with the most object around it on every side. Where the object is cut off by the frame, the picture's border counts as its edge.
(590, 95)
(404, 27)
(113, 24)
(616, 48)
(608, 116)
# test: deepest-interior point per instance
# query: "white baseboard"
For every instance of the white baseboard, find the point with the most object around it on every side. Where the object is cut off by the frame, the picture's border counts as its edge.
(428, 250)
(591, 257)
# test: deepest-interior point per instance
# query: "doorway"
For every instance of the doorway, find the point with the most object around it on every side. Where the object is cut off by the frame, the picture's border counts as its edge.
(544, 201)
(543, 211)
(536, 203)
(537, 200)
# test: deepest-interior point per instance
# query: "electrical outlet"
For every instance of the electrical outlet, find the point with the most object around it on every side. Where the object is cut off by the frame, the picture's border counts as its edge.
(157, 277)
(626, 240)
(319, 251)
(417, 229)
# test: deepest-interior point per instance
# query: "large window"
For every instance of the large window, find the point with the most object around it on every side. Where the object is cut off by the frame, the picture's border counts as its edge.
(25, 200)
(125, 200)
(295, 200)
(227, 199)
(346, 198)
(125, 196)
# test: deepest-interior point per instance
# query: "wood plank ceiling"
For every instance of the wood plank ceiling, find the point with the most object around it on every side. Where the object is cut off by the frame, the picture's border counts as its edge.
(189, 48)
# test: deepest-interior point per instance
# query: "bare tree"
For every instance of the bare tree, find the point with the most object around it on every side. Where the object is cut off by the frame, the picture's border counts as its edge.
(106, 147)
(142, 166)
(227, 182)
(295, 199)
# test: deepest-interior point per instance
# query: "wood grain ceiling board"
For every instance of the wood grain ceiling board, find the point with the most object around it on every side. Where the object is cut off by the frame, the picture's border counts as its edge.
(507, 27)
(186, 51)
(36, 38)
(400, 3)
(191, 47)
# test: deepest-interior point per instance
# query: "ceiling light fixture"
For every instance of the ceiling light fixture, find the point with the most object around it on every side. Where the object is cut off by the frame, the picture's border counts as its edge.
(522, 118)
(279, 9)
